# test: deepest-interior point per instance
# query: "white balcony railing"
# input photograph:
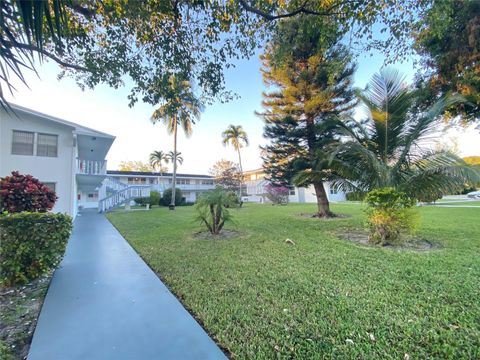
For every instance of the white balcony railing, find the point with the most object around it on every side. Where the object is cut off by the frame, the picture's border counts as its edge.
(91, 167)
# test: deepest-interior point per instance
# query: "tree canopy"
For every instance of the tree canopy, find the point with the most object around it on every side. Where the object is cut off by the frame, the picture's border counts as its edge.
(149, 41)
(448, 40)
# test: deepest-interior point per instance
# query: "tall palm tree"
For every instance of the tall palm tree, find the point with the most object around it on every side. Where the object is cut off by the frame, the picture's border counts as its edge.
(180, 107)
(238, 138)
(157, 158)
(390, 148)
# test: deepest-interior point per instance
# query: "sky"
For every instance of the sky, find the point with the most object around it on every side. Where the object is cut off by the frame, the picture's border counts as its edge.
(106, 109)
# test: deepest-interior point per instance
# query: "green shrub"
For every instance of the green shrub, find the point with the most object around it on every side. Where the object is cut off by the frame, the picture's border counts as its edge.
(154, 198)
(212, 209)
(142, 201)
(32, 243)
(355, 196)
(167, 197)
(390, 215)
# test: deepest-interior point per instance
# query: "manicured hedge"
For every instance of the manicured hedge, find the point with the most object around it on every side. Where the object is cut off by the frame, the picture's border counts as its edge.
(31, 244)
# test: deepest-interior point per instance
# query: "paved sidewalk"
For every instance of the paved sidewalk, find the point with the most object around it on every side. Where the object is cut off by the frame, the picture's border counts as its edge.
(105, 303)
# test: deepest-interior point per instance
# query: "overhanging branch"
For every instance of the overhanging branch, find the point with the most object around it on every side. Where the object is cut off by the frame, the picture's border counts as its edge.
(301, 10)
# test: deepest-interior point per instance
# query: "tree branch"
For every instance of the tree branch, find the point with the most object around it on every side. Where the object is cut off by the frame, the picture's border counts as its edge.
(30, 47)
(301, 10)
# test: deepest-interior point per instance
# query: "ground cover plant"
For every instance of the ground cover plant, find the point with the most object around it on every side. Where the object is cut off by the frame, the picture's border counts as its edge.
(319, 296)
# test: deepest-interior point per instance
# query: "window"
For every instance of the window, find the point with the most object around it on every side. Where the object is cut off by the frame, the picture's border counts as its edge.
(183, 181)
(47, 145)
(51, 185)
(291, 192)
(333, 190)
(22, 142)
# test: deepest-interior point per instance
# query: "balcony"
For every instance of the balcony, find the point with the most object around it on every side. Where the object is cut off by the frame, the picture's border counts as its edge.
(92, 167)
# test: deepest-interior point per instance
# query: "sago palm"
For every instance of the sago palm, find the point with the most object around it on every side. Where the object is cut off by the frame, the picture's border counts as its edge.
(157, 159)
(392, 147)
(238, 138)
(182, 108)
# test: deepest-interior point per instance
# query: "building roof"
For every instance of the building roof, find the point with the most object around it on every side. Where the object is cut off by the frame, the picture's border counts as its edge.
(80, 129)
(148, 173)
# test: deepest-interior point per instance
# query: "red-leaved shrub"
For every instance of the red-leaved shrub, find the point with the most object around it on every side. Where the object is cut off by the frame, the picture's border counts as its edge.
(25, 193)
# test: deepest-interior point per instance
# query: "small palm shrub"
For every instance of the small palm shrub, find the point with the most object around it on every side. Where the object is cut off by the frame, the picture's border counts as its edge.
(25, 193)
(167, 197)
(212, 210)
(390, 215)
(277, 194)
(31, 244)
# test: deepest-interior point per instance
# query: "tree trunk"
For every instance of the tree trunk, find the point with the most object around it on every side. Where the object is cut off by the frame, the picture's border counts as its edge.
(322, 200)
(241, 177)
(174, 178)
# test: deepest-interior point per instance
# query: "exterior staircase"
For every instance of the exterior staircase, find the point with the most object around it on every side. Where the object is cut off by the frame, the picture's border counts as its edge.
(114, 193)
(122, 196)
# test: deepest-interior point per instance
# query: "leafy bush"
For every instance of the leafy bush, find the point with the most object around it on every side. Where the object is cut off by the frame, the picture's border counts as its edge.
(430, 197)
(167, 197)
(355, 196)
(154, 198)
(25, 193)
(390, 215)
(142, 201)
(32, 243)
(277, 194)
(212, 209)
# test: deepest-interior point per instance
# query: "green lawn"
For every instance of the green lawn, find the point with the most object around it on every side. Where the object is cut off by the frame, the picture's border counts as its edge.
(262, 298)
(469, 203)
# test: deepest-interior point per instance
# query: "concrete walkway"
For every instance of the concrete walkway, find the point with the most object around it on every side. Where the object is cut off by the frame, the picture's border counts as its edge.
(104, 302)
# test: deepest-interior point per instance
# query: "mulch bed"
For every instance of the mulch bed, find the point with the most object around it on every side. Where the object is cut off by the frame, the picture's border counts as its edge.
(333, 217)
(416, 244)
(20, 306)
(224, 235)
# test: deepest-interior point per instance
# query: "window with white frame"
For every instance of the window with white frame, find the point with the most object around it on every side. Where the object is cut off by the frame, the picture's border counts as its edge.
(333, 190)
(47, 145)
(22, 142)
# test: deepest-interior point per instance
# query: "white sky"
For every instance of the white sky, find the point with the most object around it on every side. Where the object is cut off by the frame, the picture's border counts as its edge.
(106, 109)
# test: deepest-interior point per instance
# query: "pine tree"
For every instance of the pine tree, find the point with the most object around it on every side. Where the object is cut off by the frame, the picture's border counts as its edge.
(311, 74)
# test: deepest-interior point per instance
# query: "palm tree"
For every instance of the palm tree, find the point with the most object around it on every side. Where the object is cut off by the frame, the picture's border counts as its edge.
(237, 137)
(182, 108)
(171, 156)
(157, 158)
(390, 147)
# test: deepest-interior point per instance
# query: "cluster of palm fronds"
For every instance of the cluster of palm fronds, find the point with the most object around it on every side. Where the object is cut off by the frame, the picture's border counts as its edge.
(392, 147)
(25, 28)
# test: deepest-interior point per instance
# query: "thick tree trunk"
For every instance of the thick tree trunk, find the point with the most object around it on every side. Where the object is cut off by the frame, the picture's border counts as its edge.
(241, 177)
(322, 200)
(174, 178)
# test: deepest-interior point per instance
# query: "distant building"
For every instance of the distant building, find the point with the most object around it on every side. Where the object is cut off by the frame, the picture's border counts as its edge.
(255, 183)
(122, 185)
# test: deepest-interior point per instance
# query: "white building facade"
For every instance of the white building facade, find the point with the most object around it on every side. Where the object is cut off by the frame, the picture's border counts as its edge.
(255, 183)
(67, 157)
(121, 186)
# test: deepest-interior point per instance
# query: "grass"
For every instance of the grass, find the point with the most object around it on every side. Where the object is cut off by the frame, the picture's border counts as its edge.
(323, 297)
(469, 203)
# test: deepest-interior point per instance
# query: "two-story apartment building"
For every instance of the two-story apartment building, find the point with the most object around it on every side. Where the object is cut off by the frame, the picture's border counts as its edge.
(255, 182)
(68, 157)
(190, 184)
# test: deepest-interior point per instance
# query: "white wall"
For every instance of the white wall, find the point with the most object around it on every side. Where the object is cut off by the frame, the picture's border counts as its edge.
(47, 169)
